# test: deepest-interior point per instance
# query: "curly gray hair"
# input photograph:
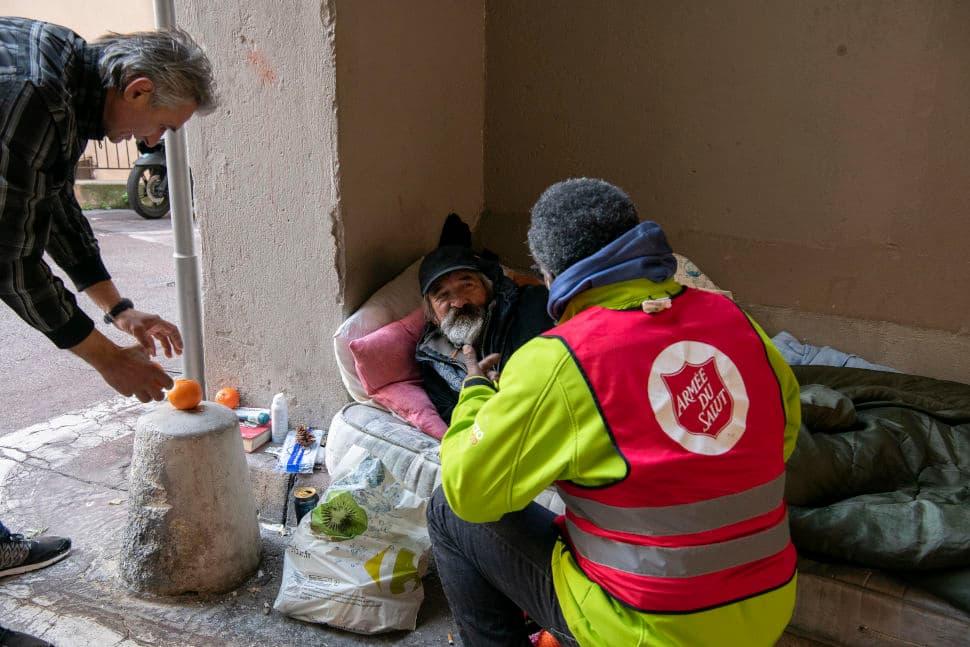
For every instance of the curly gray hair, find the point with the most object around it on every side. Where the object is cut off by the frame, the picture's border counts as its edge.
(171, 59)
(576, 218)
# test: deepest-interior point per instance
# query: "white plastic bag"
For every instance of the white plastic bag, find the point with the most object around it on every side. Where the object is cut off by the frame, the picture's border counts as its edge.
(356, 561)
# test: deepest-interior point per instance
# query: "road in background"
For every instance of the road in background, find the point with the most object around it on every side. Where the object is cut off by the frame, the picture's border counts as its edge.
(40, 381)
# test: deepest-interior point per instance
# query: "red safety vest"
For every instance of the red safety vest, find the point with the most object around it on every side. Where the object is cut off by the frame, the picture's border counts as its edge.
(693, 406)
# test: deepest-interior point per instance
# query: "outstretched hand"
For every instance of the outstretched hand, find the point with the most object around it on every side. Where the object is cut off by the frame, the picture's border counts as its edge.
(130, 371)
(149, 328)
(484, 368)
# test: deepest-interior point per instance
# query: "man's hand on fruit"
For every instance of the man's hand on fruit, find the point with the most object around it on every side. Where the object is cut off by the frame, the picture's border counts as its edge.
(147, 328)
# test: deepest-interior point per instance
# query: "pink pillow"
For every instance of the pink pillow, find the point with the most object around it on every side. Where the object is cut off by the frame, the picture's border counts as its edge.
(385, 364)
(410, 401)
(386, 355)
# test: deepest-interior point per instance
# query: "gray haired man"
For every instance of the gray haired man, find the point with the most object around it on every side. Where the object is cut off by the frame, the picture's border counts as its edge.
(469, 301)
(56, 93)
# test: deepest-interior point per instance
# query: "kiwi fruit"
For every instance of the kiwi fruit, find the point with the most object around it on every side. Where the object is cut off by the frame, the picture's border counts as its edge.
(339, 517)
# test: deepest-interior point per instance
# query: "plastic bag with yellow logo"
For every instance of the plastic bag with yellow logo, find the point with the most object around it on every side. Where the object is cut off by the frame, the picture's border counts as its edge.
(356, 561)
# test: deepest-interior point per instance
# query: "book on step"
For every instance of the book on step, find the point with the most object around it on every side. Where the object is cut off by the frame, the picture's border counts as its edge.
(254, 436)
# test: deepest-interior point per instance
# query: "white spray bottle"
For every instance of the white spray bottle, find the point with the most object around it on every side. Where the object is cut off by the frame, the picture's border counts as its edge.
(280, 419)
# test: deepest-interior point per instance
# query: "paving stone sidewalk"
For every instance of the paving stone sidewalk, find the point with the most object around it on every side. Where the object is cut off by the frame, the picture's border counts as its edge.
(69, 477)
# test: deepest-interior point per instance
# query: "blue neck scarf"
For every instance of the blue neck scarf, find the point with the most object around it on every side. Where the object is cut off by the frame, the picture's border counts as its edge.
(641, 253)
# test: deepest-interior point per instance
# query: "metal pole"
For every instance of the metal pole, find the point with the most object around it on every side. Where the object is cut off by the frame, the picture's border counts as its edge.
(186, 262)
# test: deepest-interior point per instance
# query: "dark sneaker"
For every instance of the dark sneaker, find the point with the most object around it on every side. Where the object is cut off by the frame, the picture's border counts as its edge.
(11, 638)
(19, 555)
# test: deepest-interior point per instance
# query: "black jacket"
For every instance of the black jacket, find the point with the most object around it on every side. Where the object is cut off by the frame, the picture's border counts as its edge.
(516, 315)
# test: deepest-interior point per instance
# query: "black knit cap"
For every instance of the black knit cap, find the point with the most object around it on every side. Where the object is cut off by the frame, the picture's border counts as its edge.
(444, 260)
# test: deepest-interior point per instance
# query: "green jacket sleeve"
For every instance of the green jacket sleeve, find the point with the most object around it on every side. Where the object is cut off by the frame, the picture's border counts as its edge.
(790, 392)
(505, 446)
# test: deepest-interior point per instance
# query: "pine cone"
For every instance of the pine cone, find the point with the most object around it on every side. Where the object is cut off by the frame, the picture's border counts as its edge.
(303, 436)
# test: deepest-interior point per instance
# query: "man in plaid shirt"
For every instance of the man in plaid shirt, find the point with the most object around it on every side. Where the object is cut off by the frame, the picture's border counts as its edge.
(57, 92)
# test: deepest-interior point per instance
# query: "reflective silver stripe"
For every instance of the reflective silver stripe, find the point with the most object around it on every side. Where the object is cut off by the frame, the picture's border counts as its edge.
(687, 561)
(683, 519)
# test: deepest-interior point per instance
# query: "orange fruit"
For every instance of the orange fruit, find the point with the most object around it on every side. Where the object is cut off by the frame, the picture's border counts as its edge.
(186, 394)
(228, 397)
(546, 639)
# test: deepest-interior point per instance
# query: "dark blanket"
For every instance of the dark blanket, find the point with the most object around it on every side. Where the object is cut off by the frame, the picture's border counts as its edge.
(881, 475)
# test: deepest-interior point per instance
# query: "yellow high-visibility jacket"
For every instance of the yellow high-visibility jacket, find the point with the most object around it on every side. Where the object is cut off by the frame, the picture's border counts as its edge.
(541, 424)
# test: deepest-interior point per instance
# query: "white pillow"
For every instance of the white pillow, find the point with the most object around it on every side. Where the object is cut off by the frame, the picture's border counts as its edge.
(393, 301)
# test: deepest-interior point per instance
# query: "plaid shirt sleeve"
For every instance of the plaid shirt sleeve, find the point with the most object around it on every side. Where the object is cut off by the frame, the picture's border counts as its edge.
(72, 244)
(34, 212)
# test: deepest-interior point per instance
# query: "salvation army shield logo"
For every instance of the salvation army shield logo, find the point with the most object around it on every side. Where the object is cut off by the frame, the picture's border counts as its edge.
(702, 403)
(698, 397)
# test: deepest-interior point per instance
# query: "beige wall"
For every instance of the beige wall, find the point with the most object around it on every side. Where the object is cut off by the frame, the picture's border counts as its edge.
(810, 156)
(89, 19)
(266, 177)
(410, 103)
(347, 131)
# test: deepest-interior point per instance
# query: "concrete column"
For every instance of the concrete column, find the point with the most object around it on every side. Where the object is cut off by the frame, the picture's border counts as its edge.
(347, 132)
(267, 202)
(191, 518)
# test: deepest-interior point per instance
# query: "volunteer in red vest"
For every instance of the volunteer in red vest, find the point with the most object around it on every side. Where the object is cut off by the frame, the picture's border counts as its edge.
(663, 415)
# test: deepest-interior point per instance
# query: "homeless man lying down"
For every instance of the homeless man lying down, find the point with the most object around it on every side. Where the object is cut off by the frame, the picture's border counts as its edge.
(467, 299)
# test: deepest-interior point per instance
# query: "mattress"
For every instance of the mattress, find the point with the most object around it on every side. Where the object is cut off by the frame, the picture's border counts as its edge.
(409, 455)
(849, 605)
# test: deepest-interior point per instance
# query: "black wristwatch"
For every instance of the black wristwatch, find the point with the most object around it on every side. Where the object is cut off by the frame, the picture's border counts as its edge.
(121, 306)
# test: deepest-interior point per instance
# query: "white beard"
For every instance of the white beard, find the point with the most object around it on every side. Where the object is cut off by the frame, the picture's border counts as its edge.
(462, 329)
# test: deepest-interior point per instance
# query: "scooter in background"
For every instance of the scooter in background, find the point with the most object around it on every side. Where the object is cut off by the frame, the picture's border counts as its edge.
(148, 182)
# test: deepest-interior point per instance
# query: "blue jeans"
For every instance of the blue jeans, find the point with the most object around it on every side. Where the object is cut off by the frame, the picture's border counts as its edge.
(4, 533)
(491, 572)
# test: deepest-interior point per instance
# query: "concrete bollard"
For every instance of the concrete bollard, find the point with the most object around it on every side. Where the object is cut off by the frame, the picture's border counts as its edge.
(191, 514)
